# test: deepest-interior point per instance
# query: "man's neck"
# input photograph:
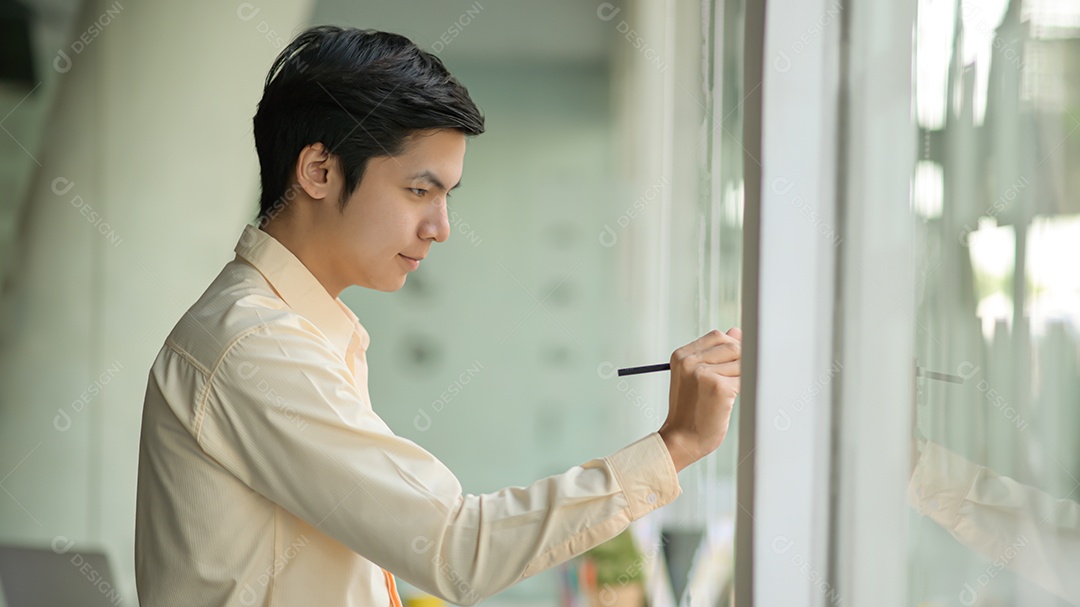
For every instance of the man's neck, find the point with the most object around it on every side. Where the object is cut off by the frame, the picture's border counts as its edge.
(297, 239)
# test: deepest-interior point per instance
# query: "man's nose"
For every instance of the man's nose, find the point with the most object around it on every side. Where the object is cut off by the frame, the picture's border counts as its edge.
(437, 224)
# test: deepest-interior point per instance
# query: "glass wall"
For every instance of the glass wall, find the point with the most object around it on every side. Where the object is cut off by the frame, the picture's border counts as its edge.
(678, 89)
(995, 518)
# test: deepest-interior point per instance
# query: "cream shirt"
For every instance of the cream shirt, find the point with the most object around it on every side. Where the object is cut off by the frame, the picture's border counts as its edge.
(265, 477)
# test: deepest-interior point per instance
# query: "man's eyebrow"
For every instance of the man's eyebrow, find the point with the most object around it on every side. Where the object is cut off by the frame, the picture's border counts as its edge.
(429, 176)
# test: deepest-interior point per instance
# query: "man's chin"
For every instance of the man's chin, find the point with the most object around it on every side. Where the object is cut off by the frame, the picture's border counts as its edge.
(391, 286)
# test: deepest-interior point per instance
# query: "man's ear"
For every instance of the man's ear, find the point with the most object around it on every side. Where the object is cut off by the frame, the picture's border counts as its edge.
(315, 168)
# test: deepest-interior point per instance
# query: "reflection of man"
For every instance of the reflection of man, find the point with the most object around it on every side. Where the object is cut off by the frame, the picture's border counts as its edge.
(1013, 525)
(265, 477)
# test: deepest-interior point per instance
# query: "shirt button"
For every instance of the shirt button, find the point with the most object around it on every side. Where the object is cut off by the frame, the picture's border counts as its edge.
(651, 498)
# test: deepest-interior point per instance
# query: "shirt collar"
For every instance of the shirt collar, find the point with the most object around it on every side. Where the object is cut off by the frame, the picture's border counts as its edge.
(299, 288)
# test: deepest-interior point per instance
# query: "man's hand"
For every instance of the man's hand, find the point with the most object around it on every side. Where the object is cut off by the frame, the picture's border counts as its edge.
(704, 384)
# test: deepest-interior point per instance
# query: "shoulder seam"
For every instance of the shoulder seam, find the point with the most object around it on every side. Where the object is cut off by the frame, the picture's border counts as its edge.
(182, 353)
(200, 408)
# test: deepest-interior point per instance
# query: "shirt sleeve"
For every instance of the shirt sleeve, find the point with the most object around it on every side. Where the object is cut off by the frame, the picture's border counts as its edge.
(1012, 524)
(285, 415)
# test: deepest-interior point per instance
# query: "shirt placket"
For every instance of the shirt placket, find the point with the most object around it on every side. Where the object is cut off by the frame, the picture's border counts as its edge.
(354, 357)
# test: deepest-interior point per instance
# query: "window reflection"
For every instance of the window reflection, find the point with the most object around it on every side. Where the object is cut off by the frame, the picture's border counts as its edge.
(995, 484)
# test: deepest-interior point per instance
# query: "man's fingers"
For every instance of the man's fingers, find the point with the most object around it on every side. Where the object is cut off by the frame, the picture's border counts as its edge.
(722, 383)
(734, 383)
(722, 353)
(710, 340)
(727, 369)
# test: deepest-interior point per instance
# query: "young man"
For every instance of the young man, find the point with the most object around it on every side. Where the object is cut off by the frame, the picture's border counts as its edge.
(265, 477)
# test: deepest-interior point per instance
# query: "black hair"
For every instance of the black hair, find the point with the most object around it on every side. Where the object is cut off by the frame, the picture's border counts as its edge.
(361, 93)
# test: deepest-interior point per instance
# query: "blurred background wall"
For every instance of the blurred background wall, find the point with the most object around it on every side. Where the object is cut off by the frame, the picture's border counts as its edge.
(137, 171)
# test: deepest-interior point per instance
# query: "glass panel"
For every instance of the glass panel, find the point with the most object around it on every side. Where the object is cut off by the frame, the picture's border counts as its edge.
(711, 577)
(994, 489)
(679, 244)
(716, 229)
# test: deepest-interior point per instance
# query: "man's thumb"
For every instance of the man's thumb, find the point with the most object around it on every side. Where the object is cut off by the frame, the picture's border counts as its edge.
(735, 332)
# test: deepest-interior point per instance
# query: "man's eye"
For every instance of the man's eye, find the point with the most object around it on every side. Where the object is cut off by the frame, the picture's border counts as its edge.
(418, 191)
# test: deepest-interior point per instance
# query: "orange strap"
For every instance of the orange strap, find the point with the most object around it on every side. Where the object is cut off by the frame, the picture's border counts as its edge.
(391, 588)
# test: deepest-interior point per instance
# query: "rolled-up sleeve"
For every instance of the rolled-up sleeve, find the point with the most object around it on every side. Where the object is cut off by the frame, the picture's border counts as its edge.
(284, 414)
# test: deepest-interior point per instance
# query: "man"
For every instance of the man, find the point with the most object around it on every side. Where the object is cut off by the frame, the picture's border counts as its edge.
(265, 477)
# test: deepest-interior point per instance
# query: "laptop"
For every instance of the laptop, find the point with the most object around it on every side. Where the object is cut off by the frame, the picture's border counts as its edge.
(41, 577)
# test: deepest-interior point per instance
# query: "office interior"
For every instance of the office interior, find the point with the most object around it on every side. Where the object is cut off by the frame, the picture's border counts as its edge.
(880, 194)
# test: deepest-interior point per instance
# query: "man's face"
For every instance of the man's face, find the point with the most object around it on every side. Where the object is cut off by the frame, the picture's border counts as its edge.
(397, 212)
